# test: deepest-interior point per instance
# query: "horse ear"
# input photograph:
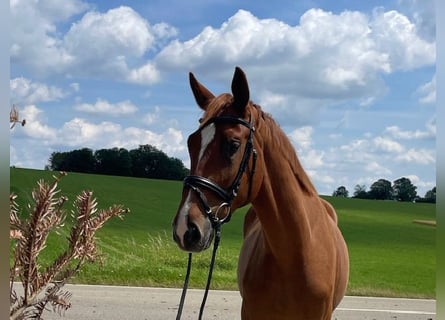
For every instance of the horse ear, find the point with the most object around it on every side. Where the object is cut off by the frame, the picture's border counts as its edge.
(201, 93)
(240, 89)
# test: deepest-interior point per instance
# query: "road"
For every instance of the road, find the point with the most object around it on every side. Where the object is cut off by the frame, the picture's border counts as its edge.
(141, 303)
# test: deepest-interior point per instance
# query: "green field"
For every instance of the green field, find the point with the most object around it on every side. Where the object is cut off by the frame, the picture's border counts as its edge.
(389, 254)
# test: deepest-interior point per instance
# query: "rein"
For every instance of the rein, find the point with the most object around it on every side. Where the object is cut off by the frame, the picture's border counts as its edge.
(196, 182)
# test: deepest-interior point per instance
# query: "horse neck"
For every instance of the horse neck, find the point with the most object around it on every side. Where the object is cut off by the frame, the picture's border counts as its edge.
(287, 203)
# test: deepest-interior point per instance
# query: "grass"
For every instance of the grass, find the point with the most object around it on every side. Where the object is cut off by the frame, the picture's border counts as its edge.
(389, 254)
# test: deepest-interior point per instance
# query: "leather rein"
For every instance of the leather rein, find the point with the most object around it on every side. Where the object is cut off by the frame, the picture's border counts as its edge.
(196, 183)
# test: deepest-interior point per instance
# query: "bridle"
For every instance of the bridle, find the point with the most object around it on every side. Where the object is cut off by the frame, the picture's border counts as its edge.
(227, 195)
(196, 183)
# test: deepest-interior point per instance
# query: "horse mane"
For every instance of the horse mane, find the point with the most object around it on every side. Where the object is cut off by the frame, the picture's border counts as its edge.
(274, 136)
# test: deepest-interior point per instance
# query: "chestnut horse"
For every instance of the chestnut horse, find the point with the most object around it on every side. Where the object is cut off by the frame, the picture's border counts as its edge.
(294, 261)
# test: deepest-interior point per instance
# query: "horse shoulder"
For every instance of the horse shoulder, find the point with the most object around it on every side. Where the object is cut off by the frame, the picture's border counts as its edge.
(330, 210)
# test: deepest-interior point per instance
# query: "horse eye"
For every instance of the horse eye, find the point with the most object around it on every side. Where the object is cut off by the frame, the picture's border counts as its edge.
(200, 120)
(233, 147)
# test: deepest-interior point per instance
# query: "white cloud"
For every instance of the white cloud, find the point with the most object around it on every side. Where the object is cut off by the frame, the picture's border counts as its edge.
(106, 43)
(151, 118)
(111, 44)
(33, 40)
(169, 141)
(296, 70)
(301, 137)
(80, 133)
(418, 156)
(35, 127)
(428, 92)
(145, 74)
(324, 179)
(28, 92)
(387, 145)
(312, 159)
(397, 36)
(112, 34)
(104, 107)
(420, 184)
(75, 86)
(356, 145)
(398, 133)
(377, 168)
(424, 16)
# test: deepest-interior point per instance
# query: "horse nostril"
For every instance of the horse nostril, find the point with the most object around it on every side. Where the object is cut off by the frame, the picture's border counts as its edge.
(192, 235)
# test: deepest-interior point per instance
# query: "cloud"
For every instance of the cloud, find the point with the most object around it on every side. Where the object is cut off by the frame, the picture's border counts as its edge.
(397, 36)
(79, 132)
(301, 137)
(33, 39)
(111, 45)
(387, 145)
(35, 127)
(109, 34)
(151, 118)
(428, 92)
(28, 92)
(398, 133)
(420, 184)
(378, 169)
(75, 86)
(104, 107)
(42, 139)
(313, 159)
(424, 16)
(324, 60)
(418, 156)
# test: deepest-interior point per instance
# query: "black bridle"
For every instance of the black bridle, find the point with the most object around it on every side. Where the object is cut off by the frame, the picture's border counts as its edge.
(196, 183)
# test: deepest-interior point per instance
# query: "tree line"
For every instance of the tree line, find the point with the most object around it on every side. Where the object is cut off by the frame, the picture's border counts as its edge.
(400, 190)
(144, 162)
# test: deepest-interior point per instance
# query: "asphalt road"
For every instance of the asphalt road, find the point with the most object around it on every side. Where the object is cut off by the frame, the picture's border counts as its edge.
(136, 303)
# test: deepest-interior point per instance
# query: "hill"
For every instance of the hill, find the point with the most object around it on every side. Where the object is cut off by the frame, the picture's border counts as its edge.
(389, 254)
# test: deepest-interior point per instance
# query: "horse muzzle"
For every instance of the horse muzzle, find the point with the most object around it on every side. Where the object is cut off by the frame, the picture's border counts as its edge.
(193, 236)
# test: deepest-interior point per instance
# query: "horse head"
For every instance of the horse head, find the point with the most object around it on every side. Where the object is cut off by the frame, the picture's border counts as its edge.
(222, 157)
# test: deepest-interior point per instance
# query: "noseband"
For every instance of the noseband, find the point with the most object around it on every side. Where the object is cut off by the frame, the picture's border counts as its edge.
(227, 195)
(195, 182)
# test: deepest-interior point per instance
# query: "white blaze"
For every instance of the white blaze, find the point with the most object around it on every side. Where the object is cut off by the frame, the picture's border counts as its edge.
(207, 135)
(182, 225)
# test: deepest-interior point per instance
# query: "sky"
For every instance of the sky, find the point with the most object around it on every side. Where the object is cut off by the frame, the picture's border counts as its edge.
(352, 83)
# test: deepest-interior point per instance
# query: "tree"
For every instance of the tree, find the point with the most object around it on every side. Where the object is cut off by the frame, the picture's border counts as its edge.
(430, 195)
(341, 192)
(381, 190)
(149, 162)
(404, 190)
(58, 161)
(360, 192)
(113, 162)
(81, 160)
(145, 162)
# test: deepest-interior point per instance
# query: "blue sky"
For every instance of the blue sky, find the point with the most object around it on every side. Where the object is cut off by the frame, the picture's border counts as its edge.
(352, 83)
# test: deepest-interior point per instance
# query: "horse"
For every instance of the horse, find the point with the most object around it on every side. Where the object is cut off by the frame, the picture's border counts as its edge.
(294, 261)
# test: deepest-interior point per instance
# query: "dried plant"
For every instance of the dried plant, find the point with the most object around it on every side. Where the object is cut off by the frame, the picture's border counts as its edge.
(14, 117)
(42, 285)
